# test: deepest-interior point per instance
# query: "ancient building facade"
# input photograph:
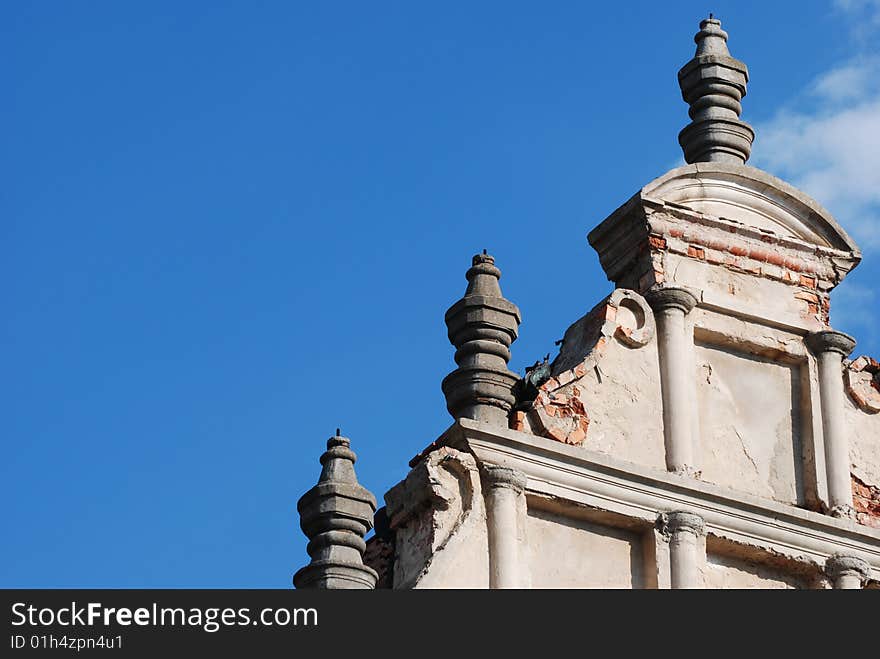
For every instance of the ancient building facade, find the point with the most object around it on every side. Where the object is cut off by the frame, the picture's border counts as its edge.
(701, 427)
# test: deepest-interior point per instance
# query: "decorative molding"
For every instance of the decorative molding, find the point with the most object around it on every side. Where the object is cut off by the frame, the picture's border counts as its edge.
(840, 565)
(596, 481)
(830, 341)
(505, 477)
(681, 522)
(671, 297)
(862, 380)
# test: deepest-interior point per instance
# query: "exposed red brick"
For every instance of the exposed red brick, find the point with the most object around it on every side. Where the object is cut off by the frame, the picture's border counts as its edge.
(809, 282)
(657, 242)
(775, 258)
(554, 433)
(379, 555)
(699, 243)
(518, 421)
(866, 501)
(577, 436)
(550, 384)
(807, 297)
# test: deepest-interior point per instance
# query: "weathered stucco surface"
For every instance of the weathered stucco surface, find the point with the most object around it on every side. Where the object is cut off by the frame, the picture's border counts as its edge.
(574, 553)
(605, 391)
(722, 571)
(742, 291)
(750, 423)
(622, 396)
(439, 518)
(863, 429)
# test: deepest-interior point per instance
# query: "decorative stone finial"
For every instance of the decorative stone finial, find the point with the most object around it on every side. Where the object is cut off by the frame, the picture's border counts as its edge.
(713, 83)
(335, 515)
(482, 325)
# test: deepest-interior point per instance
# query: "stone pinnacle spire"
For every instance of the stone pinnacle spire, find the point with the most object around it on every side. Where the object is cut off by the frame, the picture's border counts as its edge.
(482, 325)
(713, 83)
(335, 515)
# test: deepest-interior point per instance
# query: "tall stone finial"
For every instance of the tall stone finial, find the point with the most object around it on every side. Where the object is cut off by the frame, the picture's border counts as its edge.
(714, 83)
(335, 515)
(482, 325)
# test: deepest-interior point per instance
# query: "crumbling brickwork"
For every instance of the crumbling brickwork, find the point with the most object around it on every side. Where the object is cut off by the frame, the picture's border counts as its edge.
(866, 501)
(737, 248)
(558, 410)
(862, 379)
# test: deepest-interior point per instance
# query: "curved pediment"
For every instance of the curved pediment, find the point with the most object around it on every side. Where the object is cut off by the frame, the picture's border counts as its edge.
(752, 197)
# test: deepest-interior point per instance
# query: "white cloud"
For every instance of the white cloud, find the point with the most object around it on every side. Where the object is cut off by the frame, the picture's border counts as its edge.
(828, 144)
(851, 82)
(865, 15)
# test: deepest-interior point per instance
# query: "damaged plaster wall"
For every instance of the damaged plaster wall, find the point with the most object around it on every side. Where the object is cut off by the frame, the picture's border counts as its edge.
(565, 552)
(722, 571)
(794, 301)
(750, 424)
(862, 414)
(605, 391)
(726, 564)
(439, 519)
(622, 396)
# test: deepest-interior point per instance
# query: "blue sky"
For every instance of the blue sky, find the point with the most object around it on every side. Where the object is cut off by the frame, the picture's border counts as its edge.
(229, 228)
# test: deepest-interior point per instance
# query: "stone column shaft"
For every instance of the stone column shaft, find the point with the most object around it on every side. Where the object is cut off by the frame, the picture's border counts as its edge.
(671, 305)
(684, 531)
(830, 348)
(504, 487)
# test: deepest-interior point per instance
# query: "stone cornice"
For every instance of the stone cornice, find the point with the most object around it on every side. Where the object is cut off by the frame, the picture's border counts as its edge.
(602, 483)
(645, 222)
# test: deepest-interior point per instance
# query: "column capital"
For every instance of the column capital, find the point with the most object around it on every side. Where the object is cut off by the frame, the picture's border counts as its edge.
(497, 476)
(679, 521)
(671, 297)
(840, 565)
(830, 341)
